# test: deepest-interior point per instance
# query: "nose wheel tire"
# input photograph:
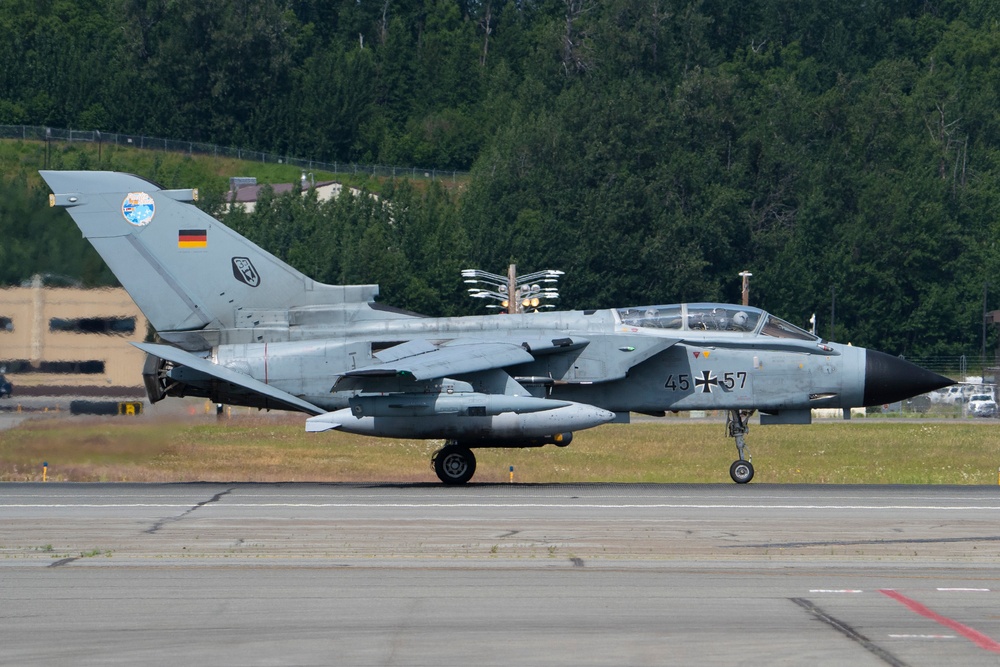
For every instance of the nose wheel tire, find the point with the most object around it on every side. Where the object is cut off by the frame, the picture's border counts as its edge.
(454, 465)
(741, 471)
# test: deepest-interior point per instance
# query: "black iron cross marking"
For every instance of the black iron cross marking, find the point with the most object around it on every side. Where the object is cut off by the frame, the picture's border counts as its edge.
(706, 381)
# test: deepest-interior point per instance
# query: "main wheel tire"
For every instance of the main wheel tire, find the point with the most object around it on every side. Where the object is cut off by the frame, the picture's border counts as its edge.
(455, 465)
(741, 471)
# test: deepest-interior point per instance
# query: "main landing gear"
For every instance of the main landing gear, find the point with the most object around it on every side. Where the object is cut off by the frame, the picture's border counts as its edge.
(737, 427)
(454, 464)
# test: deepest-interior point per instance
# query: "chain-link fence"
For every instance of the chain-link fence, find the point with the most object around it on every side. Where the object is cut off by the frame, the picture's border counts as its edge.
(977, 376)
(961, 366)
(33, 133)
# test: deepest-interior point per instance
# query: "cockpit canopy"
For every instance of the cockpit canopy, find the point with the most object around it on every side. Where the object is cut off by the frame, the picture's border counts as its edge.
(711, 317)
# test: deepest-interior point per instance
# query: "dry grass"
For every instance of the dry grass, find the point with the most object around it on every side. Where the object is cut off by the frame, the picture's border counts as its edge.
(268, 448)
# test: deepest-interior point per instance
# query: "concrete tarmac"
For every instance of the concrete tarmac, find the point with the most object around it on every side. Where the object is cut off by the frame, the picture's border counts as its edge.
(348, 574)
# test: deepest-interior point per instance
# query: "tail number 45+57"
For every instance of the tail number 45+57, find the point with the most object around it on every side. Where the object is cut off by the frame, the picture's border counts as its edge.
(730, 380)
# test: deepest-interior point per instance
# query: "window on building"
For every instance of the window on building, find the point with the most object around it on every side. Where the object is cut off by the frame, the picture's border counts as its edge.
(6, 324)
(111, 326)
(92, 367)
(85, 367)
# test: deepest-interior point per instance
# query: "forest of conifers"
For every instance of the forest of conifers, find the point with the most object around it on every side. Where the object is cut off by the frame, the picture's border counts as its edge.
(651, 149)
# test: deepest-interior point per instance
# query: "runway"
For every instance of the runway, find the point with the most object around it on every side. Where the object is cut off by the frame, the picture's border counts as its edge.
(314, 574)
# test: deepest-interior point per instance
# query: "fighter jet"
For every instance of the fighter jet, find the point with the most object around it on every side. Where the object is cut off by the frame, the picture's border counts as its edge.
(238, 326)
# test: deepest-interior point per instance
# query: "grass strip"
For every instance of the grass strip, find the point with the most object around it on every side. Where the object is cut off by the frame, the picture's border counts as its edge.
(269, 448)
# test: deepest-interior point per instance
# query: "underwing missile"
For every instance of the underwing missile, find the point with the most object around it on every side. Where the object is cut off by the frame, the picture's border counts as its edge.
(466, 427)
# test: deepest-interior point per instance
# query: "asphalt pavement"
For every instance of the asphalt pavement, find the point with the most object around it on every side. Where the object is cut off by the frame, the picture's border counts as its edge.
(259, 574)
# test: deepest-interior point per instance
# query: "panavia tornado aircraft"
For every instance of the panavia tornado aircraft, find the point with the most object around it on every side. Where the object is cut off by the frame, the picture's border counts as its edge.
(238, 326)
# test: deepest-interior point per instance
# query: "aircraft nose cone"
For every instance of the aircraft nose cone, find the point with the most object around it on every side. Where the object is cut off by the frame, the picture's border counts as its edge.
(889, 379)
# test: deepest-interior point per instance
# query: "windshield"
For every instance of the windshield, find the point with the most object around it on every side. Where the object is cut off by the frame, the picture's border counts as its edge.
(779, 328)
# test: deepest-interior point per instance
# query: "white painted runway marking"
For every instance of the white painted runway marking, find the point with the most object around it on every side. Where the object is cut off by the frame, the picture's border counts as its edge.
(845, 590)
(901, 508)
(94, 505)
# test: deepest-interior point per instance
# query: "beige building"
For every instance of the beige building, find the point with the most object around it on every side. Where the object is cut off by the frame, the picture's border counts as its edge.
(71, 341)
(245, 191)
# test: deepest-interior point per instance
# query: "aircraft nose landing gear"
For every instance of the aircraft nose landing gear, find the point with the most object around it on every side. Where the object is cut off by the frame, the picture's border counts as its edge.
(737, 427)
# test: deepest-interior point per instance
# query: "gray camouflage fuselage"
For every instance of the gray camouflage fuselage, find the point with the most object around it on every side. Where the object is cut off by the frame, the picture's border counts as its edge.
(613, 366)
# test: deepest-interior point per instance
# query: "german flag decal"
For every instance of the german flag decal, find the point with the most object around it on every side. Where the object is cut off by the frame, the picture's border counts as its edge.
(192, 238)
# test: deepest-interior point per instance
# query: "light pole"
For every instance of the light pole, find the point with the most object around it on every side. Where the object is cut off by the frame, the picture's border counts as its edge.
(516, 294)
(98, 133)
(983, 352)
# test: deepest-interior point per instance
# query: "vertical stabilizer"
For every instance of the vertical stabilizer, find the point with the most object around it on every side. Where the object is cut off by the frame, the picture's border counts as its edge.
(183, 268)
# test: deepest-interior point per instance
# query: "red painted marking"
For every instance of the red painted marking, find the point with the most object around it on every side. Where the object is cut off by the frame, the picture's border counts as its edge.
(978, 638)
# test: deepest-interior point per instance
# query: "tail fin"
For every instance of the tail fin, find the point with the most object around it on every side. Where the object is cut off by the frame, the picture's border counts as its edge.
(183, 268)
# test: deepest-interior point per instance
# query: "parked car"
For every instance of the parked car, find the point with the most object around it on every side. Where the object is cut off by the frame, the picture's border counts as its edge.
(939, 396)
(6, 388)
(919, 404)
(982, 405)
(960, 393)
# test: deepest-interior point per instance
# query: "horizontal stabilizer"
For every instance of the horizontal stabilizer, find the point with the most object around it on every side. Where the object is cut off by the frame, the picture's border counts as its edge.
(193, 362)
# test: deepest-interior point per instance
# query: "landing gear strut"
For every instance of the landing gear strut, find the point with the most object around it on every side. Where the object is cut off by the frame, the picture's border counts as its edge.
(454, 464)
(737, 427)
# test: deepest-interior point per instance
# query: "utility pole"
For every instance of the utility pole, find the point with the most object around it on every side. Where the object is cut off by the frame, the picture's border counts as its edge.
(745, 275)
(513, 303)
